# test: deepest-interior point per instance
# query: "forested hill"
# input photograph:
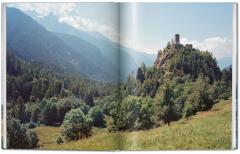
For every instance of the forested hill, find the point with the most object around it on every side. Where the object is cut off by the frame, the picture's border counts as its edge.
(33, 81)
(184, 60)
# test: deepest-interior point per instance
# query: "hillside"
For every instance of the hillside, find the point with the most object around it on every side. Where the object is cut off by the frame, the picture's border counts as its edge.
(32, 42)
(198, 132)
(130, 58)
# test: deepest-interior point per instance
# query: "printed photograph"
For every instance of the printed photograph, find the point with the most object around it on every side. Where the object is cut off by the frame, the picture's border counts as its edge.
(119, 76)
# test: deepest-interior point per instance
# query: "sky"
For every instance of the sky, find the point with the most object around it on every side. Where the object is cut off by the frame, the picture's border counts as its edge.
(207, 26)
(148, 27)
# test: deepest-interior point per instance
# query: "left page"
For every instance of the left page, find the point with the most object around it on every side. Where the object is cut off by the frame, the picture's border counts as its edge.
(62, 69)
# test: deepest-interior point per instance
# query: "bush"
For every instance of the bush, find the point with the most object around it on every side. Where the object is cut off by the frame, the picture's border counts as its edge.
(188, 110)
(110, 124)
(59, 140)
(18, 136)
(199, 99)
(49, 113)
(164, 105)
(134, 113)
(76, 125)
(146, 117)
(66, 104)
(33, 139)
(98, 118)
(35, 114)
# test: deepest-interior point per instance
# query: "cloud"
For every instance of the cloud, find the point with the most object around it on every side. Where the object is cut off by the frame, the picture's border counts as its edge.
(220, 47)
(150, 51)
(86, 24)
(43, 9)
(67, 13)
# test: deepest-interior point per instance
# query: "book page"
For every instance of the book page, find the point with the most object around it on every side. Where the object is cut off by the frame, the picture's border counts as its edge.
(62, 74)
(176, 66)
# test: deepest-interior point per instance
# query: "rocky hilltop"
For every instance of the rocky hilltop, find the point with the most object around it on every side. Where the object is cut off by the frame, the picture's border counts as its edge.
(163, 57)
(169, 51)
(177, 57)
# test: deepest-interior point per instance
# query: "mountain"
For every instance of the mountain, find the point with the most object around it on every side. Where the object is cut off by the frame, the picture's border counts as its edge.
(81, 47)
(110, 50)
(30, 41)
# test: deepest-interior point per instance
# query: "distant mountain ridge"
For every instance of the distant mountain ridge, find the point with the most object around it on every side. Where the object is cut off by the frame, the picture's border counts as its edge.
(74, 51)
(32, 42)
(130, 58)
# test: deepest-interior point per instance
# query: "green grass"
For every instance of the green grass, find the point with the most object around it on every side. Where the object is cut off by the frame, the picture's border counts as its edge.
(206, 130)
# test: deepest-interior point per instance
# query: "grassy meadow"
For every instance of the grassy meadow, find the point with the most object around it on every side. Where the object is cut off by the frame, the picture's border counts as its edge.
(205, 130)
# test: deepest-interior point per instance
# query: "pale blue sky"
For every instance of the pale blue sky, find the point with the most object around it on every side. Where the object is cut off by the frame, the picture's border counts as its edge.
(154, 24)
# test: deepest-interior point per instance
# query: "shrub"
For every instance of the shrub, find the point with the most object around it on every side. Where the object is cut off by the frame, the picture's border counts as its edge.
(59, 140)
(188, 109)
(98, 118)
(66, 104)
(199, 99)
(164, 110)
(110, 124)
(33, 139)
(35, 114)
(134, 113)
(76, 125)
(18, 136)
(49, 113)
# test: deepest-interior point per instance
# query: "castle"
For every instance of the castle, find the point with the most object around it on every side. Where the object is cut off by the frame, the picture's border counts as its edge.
(167, 53)
(175, 43)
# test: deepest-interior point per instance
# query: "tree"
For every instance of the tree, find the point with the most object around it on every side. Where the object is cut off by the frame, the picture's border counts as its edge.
(140, 75)
(98, 118)
(89, 100)
(57, 88)
(227, 75)
(143, 67)
(49, 113)
(202, 94)
(59, 140)
(35, 115)
(189, 109)
(76, 125)
(33, 139)
(164, 104)
(199, 99)
(134, 113)
(63, 108)
(18, 136)
(146, 117)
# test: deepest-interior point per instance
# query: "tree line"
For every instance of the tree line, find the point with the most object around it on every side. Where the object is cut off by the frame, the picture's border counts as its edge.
(191, 81)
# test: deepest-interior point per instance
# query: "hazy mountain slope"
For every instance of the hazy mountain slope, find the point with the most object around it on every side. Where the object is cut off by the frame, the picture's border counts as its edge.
(32, 42)
(82, 47)
(108, 49)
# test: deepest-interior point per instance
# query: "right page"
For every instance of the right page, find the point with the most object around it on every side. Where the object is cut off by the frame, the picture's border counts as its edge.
(176, 74)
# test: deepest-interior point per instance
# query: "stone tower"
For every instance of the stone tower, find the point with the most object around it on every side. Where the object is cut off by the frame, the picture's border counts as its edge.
(177, 39)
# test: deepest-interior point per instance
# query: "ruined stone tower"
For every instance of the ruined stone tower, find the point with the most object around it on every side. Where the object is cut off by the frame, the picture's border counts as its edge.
(177, 39)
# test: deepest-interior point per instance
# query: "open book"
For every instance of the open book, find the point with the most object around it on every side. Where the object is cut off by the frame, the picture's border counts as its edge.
(119, 76)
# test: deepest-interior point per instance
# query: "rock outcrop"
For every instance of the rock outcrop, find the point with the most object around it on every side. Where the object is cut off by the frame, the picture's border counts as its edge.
(163, 57)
